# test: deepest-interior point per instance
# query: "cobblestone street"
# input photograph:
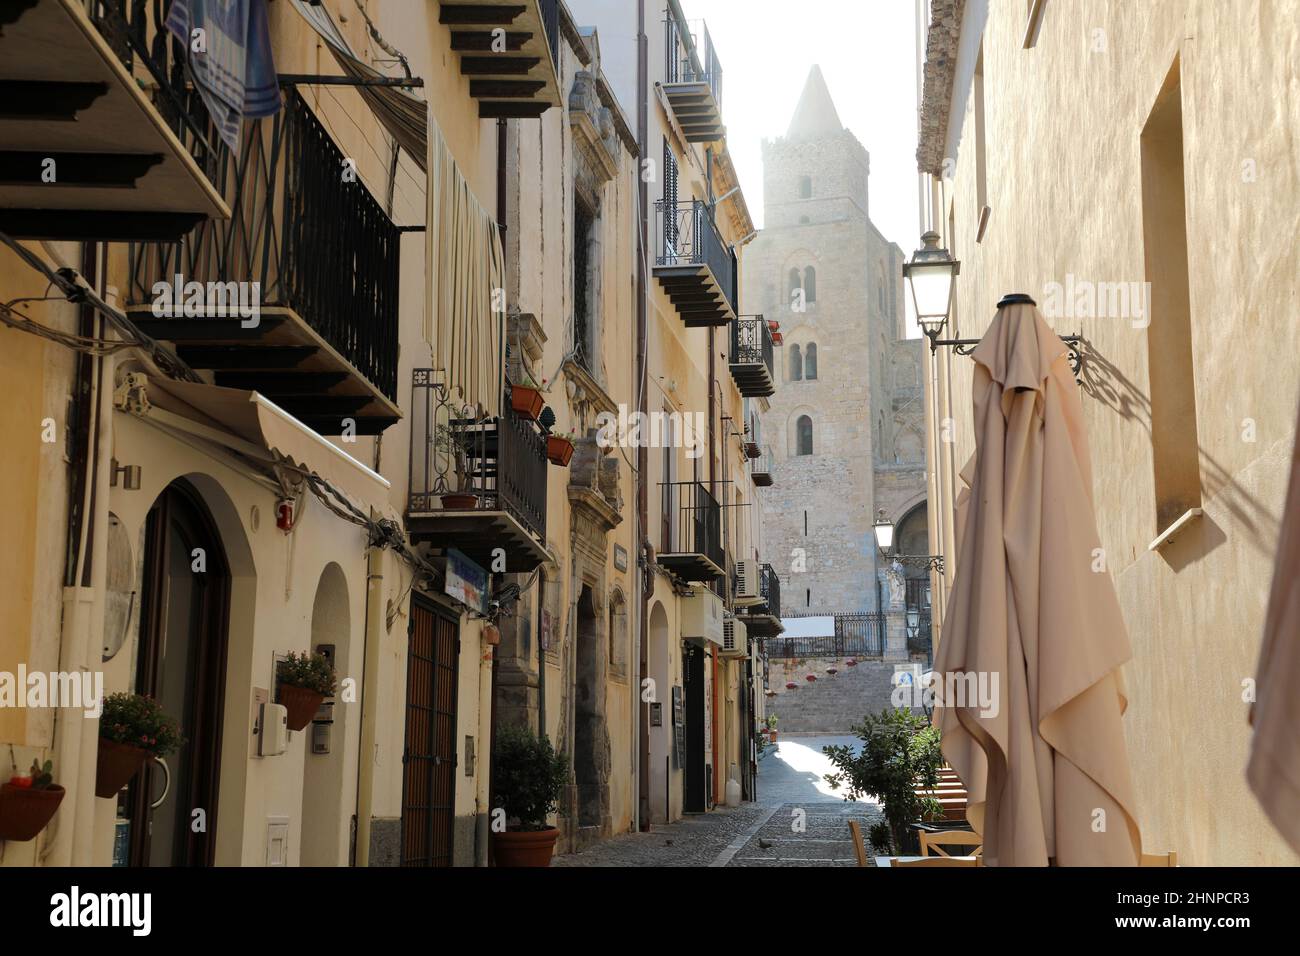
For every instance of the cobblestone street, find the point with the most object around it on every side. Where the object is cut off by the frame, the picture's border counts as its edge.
(796, 821)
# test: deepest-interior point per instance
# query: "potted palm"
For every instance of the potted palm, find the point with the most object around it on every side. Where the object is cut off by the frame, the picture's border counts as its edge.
(28, 802)
(559, 448)
(304, 680)
(528, 777)
(132, 729)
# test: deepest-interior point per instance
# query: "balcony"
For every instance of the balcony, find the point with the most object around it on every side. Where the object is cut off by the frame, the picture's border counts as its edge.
(760, 468)
(751, 356)
(693, 81)
(521, 80)
(477, 483)
(694, 265)
(764, 619)
(85, 153)
(324, 258)
(692, 532)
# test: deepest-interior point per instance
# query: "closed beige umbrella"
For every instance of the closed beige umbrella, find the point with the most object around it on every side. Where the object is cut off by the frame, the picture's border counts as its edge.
(1274, 768)
(1031, 619)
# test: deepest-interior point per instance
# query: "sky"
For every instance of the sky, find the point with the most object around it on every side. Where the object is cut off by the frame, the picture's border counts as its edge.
(867, 52)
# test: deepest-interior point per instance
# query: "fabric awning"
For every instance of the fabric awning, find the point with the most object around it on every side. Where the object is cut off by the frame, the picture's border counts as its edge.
(261, 429)
(402, 114)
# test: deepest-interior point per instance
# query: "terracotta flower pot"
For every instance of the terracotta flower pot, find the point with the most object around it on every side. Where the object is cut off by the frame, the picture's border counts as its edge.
(117, 764)
(459, 502)
(24, 812)
(524, 847)
(791, 685)
(527, 402)
(558, 450)
(301, 703)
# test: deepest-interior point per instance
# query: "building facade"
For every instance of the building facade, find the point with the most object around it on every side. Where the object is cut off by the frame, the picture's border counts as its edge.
(333, 444)
(845, 431)
(1127, 167)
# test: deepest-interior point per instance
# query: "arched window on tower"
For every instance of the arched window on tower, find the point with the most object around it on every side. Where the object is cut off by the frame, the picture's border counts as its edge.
(805, 187)
(794, 283)
(810, 284)
(803, 436)
(796, 364)
(810, 362)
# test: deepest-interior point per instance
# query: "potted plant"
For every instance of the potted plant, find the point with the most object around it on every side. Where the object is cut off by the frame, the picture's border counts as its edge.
(528, 777)
(559, 448)
(899, 754)
(28, 802)
(304, 681)
(451, 443)
(771, 727)
(132, 729)
(526, 397)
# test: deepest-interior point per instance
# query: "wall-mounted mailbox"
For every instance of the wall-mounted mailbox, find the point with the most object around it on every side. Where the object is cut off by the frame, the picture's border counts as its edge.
(273, 730)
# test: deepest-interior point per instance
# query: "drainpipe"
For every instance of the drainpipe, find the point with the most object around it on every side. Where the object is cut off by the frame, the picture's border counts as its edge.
(642, 453)
(369, 691)
(713, 487)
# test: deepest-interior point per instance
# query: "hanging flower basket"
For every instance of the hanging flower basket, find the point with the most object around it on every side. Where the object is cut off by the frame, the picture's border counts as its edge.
(117, 764)
(301, 703)
(791, 685)
(28, 802)
(810, 678)
(558, 450)
(769, 693)
(304, 681)
(850, 663)
(832, 671)
(526, 401)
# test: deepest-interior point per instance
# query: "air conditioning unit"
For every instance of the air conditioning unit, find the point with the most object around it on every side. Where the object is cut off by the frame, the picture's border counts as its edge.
(701, 613)
(735, 642)
(747, 583)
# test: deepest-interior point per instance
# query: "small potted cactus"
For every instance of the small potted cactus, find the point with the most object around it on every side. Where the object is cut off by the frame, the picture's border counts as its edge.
(28, 802)
(304, 681)
(132, 729)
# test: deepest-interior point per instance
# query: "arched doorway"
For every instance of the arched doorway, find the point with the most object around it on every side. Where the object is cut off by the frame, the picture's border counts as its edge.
(591, 738)
(658, 716)
(912, 536)
(181, 662)
(324, 820)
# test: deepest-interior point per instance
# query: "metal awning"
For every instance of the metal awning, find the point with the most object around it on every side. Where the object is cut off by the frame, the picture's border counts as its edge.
(255, 427)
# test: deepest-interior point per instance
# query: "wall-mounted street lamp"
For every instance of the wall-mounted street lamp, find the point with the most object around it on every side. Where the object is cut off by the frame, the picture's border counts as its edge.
(932, 275)
(884, 530)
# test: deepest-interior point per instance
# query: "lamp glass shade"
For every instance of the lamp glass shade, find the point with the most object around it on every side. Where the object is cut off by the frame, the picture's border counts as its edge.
(931, 291)
(884, 529)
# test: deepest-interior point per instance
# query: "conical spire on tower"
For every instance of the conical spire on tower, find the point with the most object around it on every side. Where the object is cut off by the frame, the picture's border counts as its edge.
(815, 115)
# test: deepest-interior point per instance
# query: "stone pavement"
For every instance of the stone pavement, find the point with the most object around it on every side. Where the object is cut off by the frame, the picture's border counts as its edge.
(796, 821)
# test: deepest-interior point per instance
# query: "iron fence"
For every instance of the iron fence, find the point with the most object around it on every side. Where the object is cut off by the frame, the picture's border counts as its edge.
(769, 589)
(316, 240)
(856, 635)
(463, 461)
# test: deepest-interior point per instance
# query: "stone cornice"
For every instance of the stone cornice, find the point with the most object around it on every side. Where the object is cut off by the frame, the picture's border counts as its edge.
(936, 98)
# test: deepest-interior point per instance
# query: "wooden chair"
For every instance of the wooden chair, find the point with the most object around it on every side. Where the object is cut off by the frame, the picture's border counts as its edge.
(937, 839)
(859, 847)
(1160, 859)
(936, 861)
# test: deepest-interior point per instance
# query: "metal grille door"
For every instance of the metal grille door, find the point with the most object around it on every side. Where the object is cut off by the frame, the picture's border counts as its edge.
(429, 761)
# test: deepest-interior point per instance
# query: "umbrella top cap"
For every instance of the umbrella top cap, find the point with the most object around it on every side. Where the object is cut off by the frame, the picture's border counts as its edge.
(1016, 298)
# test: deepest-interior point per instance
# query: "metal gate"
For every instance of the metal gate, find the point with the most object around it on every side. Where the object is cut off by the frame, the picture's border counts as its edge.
(429, 760)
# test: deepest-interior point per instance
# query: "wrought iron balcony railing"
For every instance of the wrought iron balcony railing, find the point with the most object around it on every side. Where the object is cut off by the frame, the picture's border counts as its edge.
(760, 468)
(321, 248)
(769, 589)
(688, 240)
(691, 56)
(462, 462)
(135, 32)
(692, 532)
(857, 634)
(751, 356)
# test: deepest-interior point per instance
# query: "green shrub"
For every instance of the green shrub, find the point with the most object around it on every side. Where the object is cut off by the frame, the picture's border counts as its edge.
(312, 671)
(139, 721)
(899, 752)
(528, 776)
